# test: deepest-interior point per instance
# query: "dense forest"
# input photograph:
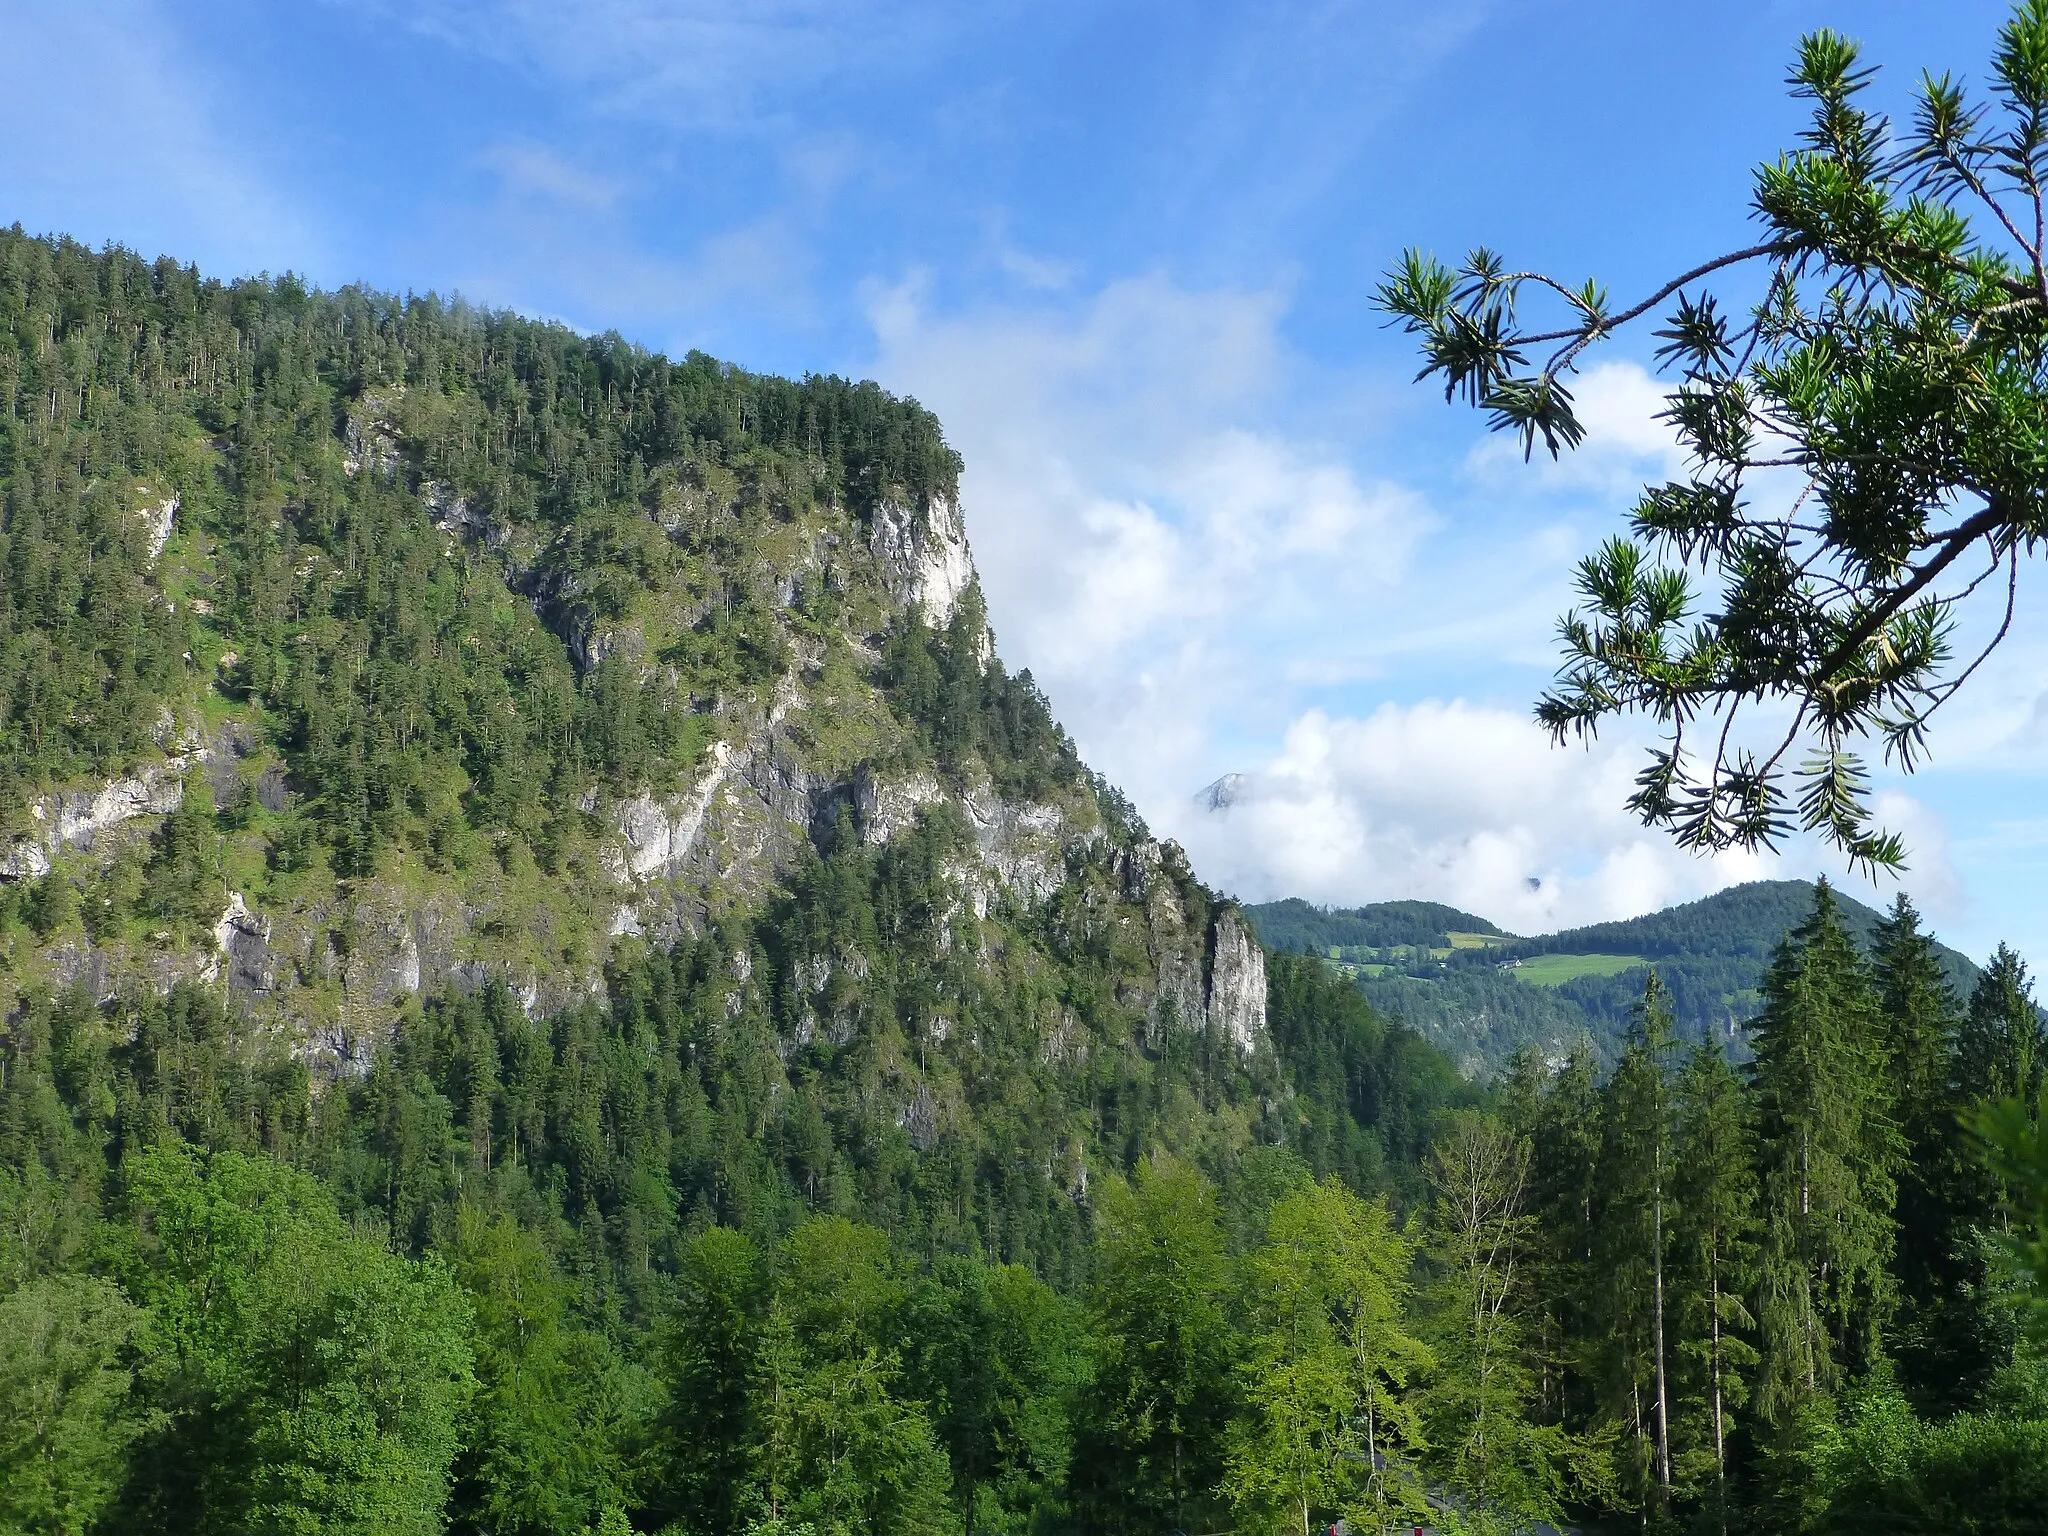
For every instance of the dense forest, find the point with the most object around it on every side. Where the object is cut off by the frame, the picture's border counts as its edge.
(582, 1275)
(1463, 984)
(893, 1170)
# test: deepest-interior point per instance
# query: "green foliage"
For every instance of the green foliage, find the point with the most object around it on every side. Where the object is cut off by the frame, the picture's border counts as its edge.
(1830, 1152)
(1162, 1392)
(66, 1414)
(1633, 1252)
(1367, 1095)
(1714, 1250)
(1476, 1407)
(326, 454)
(2014, 1136)
(1893, 361)
(316, 1381)
(554, 1407)
(1327, 1428)
(1001, 1359)
(1878, 1468)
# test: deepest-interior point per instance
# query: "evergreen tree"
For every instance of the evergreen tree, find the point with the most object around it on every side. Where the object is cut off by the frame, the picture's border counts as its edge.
(1829, 1154)
(709, 1370)
(999, 1358)
(2000, 1052)
(2000, 1055)
(1559, 1121)
(1935, 1260)
(1714, 1251)
(1633, 1241)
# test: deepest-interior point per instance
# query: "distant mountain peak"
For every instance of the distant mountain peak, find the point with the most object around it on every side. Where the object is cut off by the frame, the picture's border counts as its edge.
(1221, 795)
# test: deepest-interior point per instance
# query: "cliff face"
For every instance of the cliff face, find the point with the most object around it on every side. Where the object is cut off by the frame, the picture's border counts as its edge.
(800, 637)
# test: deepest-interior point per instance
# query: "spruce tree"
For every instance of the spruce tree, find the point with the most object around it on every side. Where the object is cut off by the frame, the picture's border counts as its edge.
(1999, 1057)
(1934, 1260)
(1632, 1241)
(1829, 1157)
(1714, 1251)
(1999, 1053)
(1560, 1123)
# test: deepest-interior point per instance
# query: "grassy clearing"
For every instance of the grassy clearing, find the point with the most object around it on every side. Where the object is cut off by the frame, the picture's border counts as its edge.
(1552, 970)
(1474, 940)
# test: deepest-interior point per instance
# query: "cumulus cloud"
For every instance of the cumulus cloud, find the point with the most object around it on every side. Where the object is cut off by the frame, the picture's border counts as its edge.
(1449, 802)
(1201, 589)
(1473, 806)
(1152, 548)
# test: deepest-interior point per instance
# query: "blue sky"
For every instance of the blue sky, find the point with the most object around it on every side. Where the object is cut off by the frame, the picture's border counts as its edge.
(1126, 252)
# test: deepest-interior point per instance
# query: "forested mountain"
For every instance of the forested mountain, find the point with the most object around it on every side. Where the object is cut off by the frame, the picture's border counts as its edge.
(489, 815)
(552, 984)
(1482, 994)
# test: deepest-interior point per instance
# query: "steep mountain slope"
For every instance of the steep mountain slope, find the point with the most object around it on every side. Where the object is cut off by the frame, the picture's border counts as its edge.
(1481, 1001)
(435, 702)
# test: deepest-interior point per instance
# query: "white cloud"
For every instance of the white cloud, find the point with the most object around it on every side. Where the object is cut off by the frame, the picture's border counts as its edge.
(1190, 581)
(1450, 802)
(1154, 550)
(1626, 445)
(1473, 806)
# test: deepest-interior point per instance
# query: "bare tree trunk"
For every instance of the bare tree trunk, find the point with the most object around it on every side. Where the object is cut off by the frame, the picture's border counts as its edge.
(1720, 1442)
(1663, 1394)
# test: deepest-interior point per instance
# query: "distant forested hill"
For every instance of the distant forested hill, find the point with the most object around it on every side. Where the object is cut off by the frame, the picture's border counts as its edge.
(1300, 927)
(1481, 1000)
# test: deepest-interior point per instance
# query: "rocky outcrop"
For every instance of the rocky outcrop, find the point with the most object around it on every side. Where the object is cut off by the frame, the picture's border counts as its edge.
(1211, 970)
(1021, 846)
(243, 939)
(368, 441)
(923, 557)
(883, 807)
(658, 836)
(73, 818)
(158, 518)
(1236, 1002)
(1019, 849)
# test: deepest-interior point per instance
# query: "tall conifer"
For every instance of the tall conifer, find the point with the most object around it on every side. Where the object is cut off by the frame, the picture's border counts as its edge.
(1714, 1253)
(1633, 1237)
(2000, 1052)
(2000, 1055)
(1561, 1125)
(1934, 1261)
(1829, 1155)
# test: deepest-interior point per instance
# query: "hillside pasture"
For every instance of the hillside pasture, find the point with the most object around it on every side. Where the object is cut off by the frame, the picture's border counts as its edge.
(1555, 970)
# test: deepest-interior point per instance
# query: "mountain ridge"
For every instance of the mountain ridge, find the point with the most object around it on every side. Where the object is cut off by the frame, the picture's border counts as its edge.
(1471, 1000)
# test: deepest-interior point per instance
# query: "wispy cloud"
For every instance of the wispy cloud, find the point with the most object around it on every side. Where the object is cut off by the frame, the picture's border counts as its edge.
(690, 63)
(116, 131)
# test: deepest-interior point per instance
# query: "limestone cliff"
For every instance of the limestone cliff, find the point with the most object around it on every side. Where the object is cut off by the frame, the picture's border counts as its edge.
(823, 740)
